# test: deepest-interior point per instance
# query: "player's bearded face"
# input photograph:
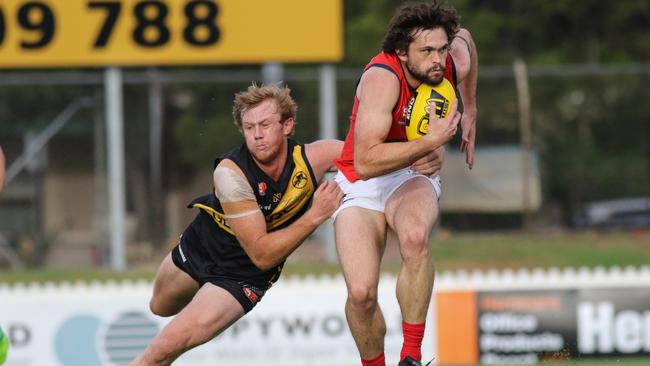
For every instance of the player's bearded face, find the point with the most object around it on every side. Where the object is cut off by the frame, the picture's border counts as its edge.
(426, 55)
(429, 74)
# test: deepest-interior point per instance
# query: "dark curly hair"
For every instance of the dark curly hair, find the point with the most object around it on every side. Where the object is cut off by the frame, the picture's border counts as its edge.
(413, 16)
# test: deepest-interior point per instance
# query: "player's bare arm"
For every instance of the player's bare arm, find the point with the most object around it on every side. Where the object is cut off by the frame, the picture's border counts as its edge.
(247, 222)
(465, 54)
(377, 93)
(321, 155)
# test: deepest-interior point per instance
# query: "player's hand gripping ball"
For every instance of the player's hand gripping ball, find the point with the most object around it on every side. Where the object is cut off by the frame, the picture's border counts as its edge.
(4, 346)
(417, 115)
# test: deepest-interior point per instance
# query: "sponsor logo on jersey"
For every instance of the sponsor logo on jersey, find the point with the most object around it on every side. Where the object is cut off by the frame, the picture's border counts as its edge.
(406, 112)
(252, 295)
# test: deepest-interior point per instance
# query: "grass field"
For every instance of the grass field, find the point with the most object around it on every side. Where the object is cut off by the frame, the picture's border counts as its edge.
(556, 250)
(517, 250)
(451, 251)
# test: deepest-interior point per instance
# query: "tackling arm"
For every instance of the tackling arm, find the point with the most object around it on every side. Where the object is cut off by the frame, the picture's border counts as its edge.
(321, 155)
(267, 249)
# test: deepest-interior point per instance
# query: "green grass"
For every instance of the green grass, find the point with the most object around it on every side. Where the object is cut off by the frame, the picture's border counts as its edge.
(529, 251)
(450, 251)
(498, 251)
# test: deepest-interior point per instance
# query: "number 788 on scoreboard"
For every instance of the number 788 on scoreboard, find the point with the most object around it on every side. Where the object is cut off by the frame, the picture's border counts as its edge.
(63, 33)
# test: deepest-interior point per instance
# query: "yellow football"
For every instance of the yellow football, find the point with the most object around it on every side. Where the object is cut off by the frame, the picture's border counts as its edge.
(417, 116)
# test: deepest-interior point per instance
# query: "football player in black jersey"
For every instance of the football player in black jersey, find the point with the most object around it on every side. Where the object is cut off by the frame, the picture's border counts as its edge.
(266, 201)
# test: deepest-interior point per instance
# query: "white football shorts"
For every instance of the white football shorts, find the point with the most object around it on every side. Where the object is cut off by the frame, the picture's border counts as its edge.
(374, 192)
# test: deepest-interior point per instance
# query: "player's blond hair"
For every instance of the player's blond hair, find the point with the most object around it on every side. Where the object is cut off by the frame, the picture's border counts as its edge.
(256, 94)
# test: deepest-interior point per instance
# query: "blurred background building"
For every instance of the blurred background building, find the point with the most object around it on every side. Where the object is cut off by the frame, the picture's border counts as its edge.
(585, 64)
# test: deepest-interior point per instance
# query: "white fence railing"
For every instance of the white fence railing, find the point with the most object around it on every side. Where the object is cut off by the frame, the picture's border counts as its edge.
(447, 280)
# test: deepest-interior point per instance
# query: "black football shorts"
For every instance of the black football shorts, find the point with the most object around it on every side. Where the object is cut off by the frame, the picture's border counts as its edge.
(194, 264)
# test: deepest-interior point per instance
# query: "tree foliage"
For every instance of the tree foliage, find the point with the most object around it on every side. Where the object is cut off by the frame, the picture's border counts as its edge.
(591, 131)
(559, 31)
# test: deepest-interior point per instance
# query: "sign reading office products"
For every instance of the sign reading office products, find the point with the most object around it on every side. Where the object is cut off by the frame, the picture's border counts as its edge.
(62, 33)
(527, 327)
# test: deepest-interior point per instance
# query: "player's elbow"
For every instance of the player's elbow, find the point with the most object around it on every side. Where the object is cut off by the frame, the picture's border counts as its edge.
(467, 35)
(263, 262)
(363, 169)
(263, 265)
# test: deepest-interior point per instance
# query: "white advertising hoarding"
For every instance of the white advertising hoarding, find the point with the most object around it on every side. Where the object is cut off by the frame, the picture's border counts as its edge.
(299, 322)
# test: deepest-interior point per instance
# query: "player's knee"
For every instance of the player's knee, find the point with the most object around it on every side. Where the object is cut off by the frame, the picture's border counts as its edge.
(158, 308)
(362, 298)
(414, 243)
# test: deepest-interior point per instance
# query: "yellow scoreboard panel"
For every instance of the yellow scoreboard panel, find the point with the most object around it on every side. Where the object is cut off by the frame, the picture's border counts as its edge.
(97, 33)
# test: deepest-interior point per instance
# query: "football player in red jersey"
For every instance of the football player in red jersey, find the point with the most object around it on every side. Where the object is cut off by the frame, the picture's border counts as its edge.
(392, 183)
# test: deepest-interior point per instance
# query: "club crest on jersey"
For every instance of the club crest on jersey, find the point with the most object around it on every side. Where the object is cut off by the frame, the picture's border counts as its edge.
(261, 188)
(299, 180)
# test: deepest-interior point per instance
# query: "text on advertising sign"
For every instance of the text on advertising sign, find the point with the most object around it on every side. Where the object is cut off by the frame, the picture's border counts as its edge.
(63, 33)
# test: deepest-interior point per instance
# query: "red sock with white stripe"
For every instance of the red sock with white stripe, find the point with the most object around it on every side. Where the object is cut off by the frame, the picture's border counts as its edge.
(413, 334)
(377, 361)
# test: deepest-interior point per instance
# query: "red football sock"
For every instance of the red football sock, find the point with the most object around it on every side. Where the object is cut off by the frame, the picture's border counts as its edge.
(377, 361)
(413, 334)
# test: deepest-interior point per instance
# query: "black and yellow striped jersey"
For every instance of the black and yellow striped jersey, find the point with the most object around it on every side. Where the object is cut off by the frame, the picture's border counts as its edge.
(282, 202)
